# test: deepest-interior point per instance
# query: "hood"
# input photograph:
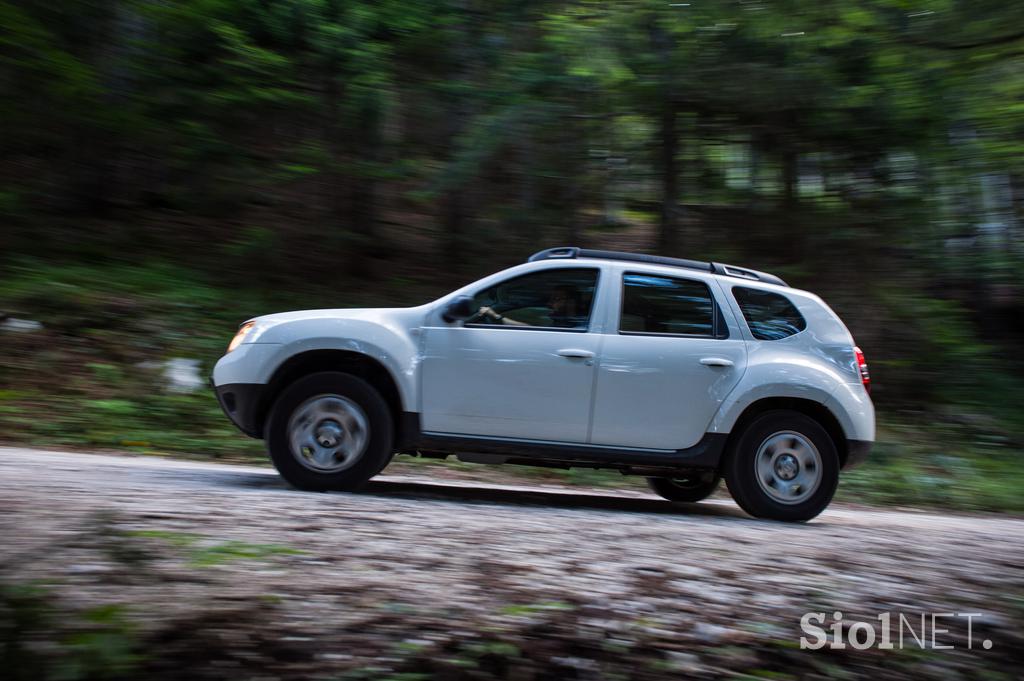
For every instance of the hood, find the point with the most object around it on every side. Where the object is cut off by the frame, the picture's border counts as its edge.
(269, 320)
(342, 322)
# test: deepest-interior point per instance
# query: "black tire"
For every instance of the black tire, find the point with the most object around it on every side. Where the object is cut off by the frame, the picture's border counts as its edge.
(741, 467)
(375, 454)
(691, 489)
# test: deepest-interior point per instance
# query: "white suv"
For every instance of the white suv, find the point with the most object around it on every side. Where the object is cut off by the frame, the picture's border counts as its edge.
(677, 370)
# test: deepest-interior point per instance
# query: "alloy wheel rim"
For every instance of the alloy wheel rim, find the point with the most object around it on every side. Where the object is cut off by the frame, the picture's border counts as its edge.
(328, 433)
(788, 467)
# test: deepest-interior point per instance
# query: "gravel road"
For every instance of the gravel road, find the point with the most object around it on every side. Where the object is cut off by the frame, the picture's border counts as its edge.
(224, 571)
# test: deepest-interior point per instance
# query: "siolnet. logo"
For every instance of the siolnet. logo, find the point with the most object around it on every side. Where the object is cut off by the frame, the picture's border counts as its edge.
(927, 631)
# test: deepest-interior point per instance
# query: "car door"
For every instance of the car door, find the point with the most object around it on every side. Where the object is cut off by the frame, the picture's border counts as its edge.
(522, 367)
(666, 364)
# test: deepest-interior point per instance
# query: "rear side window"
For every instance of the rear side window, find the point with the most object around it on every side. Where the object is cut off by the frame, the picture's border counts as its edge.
(654, 304)
(769, 315)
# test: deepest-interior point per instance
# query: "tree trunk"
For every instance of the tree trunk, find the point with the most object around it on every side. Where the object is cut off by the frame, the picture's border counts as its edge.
(362, 190)
(668, 152)
(790, 181)
(455, 203)
(572, 219)
(527, 221)
(1016, 211)
(754, 169)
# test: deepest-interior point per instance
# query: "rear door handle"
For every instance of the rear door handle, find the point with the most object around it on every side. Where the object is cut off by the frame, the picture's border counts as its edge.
(716, 362)
(576, 353)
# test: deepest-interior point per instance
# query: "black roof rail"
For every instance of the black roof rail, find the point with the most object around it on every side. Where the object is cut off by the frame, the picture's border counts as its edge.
(573, 252)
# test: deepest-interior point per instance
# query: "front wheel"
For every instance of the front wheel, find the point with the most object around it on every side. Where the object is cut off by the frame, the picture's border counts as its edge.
(783, 466)
(329, 431)
(692, 488)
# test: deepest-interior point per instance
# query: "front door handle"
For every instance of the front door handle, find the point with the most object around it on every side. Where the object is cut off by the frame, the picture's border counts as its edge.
(716, 362)
(576, 353)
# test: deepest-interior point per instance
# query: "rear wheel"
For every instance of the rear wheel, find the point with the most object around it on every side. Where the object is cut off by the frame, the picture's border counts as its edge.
(689, 488)
(329, 431)
(784, 466)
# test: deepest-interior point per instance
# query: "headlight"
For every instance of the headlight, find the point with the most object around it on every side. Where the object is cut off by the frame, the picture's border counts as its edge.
(243, 331)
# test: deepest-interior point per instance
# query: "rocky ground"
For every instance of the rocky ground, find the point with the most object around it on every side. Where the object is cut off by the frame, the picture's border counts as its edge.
(137, 567)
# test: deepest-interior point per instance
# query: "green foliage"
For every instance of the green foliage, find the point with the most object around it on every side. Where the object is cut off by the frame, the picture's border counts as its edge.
(499, 649)
(105, 649)
(40, 640)
(24, 610)
(533, 608)
(179, 539)
(939, 466)
(218, 554)
(201, 553)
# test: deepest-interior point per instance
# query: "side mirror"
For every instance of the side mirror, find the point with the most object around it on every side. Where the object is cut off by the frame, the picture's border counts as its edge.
(458, 309)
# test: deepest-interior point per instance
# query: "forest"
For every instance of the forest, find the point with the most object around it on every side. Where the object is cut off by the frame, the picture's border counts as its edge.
(171, 169)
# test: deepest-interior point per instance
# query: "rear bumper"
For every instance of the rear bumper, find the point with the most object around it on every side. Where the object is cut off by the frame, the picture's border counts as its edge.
(856, 453)
(242, 402)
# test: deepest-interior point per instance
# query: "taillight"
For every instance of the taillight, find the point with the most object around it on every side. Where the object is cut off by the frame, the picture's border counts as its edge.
(862, 364)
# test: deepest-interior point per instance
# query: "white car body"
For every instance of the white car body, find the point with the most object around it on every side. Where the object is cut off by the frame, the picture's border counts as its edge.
(667, 375)
(632, 392)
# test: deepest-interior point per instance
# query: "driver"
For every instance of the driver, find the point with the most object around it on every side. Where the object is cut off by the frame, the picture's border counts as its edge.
(563, 310)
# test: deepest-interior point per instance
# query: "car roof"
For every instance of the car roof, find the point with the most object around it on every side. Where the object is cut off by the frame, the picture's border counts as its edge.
(575, 252)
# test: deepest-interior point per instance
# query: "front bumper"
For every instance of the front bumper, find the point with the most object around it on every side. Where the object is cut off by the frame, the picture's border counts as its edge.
(243, 404)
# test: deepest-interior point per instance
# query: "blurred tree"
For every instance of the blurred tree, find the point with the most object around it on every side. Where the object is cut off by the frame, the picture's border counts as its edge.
(848, 143)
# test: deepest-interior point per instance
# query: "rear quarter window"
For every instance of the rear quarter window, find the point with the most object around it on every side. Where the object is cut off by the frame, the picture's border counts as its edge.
(769, 315)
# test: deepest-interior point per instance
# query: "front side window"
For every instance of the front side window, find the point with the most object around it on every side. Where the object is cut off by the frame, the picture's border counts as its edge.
(653, 304)
(770, 316)
(551, 299)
